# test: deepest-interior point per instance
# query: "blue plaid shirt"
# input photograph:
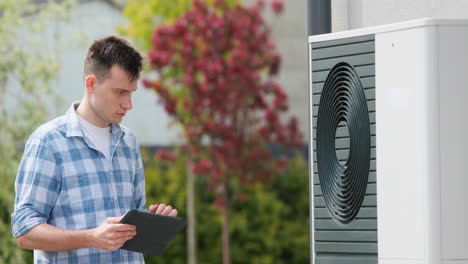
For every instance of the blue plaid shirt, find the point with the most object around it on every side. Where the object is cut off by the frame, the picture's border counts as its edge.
(65, 182)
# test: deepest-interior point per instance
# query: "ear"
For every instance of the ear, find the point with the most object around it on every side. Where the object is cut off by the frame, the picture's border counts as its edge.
(90, 82)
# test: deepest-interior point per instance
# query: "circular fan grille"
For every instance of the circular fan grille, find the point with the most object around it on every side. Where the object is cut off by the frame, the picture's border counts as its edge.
(343, 103)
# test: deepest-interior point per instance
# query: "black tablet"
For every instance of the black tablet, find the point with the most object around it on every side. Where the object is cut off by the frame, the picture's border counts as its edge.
(153, 231)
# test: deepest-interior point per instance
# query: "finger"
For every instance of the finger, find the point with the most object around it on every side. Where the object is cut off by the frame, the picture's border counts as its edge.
(153, 208)
(122, 227)
(173, 212)
(123, 239)
(125, 234)
(167, 210)
(161, 208)
(113, 220)
(119, 242)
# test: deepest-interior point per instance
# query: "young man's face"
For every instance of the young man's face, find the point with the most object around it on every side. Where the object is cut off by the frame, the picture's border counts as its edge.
(112, 98)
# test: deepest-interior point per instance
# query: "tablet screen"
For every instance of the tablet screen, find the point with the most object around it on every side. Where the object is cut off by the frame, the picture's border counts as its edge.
(153, 231)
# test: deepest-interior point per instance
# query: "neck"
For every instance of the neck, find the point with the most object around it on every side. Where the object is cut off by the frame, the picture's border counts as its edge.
(86, 111)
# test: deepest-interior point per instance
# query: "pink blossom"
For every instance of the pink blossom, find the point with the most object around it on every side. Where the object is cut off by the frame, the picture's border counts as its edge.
(277, 6)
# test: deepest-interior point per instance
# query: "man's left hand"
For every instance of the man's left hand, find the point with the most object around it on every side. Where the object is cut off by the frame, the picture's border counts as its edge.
(163, 209)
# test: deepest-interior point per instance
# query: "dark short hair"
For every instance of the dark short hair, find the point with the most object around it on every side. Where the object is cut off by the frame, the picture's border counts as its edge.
(106, 52)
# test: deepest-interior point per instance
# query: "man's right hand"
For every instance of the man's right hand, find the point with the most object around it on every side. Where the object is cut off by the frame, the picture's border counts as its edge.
(111, 234)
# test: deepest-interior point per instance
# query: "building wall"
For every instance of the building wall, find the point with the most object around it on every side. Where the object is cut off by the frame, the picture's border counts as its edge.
(290, 34)
(366, 13)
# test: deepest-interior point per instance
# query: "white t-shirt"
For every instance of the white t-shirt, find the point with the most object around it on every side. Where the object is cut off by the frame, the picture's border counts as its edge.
(99, 136)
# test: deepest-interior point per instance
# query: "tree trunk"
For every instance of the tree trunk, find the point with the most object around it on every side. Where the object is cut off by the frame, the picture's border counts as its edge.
(191, 221)
(226, 235)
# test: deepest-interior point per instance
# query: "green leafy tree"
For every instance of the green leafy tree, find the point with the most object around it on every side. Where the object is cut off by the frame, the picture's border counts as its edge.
(178, 69)
(216, 70)
(144, 15)
(292, 188)
(27, 68)
(269, 223)
(166, 183)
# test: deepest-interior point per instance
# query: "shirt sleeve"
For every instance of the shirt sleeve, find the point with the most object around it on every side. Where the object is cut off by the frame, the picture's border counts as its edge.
(37, 186)
(139, 193)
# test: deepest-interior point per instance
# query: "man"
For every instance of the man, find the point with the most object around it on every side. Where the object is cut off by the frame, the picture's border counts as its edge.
(81, 172)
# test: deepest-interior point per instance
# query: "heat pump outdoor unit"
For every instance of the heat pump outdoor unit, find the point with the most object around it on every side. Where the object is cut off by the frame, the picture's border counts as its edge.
(389, 126)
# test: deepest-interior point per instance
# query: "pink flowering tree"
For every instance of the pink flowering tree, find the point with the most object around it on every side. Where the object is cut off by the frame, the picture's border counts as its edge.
(216, 66)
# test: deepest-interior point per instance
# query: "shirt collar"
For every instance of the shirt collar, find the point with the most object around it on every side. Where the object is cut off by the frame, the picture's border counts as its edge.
(73, 125)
